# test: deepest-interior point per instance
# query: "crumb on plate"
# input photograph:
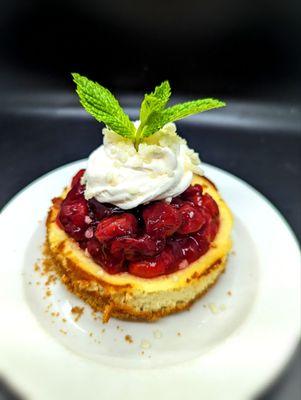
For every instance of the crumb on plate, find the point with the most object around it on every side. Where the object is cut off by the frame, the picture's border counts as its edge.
(78, 311)
(128, 338)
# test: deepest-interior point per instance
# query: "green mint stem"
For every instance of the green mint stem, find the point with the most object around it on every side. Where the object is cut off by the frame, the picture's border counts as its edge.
(138, 136)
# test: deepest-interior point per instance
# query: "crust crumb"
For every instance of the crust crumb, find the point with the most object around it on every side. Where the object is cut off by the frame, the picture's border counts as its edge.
(51, 279)
(179, 334)
(229, 293)
(78, 311)
(107, 313)
(55, 314)
(128, 338)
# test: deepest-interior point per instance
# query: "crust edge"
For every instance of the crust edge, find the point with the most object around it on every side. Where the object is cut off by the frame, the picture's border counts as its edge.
(109, 303)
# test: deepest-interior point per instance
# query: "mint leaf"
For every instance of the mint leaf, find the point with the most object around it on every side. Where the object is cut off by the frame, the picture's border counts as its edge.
(163, 92)
(158, 119)
(103, 106)
(155, 101)
(152, 103)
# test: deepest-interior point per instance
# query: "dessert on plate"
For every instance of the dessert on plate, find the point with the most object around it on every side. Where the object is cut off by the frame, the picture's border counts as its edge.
(140, 233)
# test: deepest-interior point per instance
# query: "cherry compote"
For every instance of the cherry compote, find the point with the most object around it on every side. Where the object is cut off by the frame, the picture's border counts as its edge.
(147, 241)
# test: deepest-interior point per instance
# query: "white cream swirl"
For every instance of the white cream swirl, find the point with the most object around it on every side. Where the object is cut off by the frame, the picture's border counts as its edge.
(162, 168)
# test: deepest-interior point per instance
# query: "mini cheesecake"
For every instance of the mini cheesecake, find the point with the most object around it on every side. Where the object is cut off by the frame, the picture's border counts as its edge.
(141, 233)
(125, 295)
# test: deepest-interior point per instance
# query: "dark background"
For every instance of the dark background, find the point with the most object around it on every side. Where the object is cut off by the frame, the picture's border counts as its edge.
(247, 53)
(234, 48)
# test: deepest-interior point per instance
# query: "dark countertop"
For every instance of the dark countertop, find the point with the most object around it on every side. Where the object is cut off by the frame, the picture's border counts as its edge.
(258, 142)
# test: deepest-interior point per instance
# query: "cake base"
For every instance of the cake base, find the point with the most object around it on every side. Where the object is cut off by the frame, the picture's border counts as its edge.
(134, 306)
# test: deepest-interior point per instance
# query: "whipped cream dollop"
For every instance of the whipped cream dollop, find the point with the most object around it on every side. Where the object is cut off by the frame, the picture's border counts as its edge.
(161, 168)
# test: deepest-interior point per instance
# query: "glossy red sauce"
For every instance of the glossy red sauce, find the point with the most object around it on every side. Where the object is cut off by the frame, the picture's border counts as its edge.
(147, 241)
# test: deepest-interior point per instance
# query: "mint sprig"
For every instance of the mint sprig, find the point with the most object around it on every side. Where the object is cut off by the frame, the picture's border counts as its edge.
(152, 103)
(102, 105)
(155, 101)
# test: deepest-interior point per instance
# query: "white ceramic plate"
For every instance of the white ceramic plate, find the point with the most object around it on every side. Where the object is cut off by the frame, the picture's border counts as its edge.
(230, 345)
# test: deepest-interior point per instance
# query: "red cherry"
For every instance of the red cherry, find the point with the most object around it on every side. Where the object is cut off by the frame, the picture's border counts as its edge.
(177, 202)
(209, 231)
(191, 249)
(101, 255)
(76, 192)
(161, 219)
(72, 217)
(151, 268)
(83, 244)
(187, 248)
(192, 219)
(117, 225)
(77, 177)
(135, 248)
(202, 242)
(210, 205)
(193, 194)
(98, 209)
(94, 247)
(101, 210)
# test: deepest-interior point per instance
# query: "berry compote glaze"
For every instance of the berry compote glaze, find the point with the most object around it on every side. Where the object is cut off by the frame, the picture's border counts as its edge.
(147, 241)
